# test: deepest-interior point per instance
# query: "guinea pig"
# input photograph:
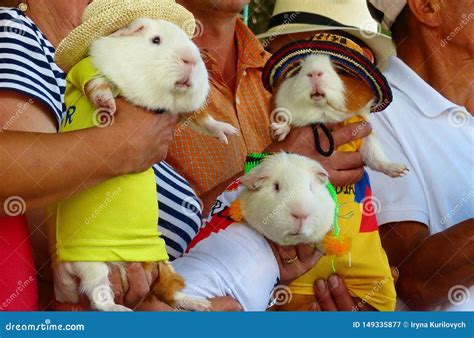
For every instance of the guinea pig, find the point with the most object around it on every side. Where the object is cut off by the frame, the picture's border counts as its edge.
(293, 190)
(154, 64)
(285, 200)
(323, 93)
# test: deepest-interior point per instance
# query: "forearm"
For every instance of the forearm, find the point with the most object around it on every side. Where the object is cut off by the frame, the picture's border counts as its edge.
(42, 168)
(209, 198)
(438, 263)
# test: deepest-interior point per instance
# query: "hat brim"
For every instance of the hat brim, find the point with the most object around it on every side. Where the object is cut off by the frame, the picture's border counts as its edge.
(76, 45)
(380, 44)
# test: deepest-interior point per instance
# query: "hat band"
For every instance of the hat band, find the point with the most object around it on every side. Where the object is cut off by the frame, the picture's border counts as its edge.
(287, 18)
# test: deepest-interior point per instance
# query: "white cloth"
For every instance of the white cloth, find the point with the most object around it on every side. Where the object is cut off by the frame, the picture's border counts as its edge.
(232, 259)
(435, 138)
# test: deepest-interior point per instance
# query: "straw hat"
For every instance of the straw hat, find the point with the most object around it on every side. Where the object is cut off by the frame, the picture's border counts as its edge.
(344, 53)
(351, 16)
(104, 17)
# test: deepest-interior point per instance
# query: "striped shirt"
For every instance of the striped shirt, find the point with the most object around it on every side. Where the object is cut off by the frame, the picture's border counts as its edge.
(27, 66)
(27, 61)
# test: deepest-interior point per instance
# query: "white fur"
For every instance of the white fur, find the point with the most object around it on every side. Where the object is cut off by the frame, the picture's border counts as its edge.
(147, 73)
(295, 93)
(302, 189)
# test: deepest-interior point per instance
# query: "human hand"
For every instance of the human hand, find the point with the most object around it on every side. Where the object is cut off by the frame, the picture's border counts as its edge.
(142, 137)
(294, 261)
(344, 168)
(131, 295)
(332, 295)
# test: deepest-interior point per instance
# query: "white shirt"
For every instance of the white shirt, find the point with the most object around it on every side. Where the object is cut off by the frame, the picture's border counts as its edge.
(229, 259)
(435, 138)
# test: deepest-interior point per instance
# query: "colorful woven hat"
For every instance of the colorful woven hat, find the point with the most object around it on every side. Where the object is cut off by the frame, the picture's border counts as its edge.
(104, 17)
(344, 53)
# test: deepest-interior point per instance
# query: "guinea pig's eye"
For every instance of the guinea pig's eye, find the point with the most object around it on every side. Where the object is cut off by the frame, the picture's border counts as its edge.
(156, 40)
(276, 186)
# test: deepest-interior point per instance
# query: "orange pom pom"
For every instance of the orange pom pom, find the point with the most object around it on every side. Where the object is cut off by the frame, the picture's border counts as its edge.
(235, 211)
(333, 246)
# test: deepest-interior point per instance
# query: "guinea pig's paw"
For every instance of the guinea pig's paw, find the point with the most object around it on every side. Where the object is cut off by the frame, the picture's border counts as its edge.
(394, 169)
(222, 130)
(100, 93)
(280, 130)
(191, 303)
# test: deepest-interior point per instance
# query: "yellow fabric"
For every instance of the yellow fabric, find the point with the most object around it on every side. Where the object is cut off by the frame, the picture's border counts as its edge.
(115, 220)
(365, 269)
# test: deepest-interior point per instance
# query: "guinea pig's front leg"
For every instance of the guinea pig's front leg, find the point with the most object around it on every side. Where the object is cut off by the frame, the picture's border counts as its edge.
(206, 124)
(99, 91)
(94, 283)
(375, 158)
(280, 130)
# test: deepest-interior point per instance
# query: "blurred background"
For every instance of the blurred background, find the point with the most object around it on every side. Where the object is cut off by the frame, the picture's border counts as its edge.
(259, 14)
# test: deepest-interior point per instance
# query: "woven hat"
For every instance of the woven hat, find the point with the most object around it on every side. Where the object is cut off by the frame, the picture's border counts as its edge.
(104, 17)
(351, 16)
(344, 53)
(386, 11)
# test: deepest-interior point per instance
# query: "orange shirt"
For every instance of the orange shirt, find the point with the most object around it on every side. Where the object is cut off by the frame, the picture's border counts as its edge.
(206, 162)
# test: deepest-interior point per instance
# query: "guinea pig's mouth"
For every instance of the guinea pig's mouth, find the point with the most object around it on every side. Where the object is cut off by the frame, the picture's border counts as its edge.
(183, 84)
(318, 96)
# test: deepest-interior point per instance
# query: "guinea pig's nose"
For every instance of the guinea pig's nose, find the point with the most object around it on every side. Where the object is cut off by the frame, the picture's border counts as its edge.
(300, 216)
(315, 74)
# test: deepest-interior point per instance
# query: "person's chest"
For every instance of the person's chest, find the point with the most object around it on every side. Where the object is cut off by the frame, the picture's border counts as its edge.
(440, 152)
(206, 162)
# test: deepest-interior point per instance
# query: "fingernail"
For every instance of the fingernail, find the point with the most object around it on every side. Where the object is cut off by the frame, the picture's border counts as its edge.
(321, 285)
(333, 281)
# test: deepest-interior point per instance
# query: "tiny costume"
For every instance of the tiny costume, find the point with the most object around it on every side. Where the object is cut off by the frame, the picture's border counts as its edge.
(115, 220)
(365, 269)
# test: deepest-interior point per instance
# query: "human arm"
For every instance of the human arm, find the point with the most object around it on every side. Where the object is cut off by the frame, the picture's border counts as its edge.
(42, 167)
(429, 264)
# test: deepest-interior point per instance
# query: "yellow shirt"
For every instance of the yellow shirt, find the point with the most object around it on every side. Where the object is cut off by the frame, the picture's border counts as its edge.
(115, 220)
(365, 269)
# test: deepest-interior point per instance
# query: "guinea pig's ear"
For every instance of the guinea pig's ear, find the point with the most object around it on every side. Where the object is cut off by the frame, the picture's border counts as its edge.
(320, 173)
(134, 28)
(254, 179)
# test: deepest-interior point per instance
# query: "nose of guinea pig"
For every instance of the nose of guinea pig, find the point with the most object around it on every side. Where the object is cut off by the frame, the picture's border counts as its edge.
(300, 216)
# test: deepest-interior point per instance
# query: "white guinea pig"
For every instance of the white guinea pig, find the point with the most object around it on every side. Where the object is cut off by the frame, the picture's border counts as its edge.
(287, 200)
(155, 65)
(321, 93)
